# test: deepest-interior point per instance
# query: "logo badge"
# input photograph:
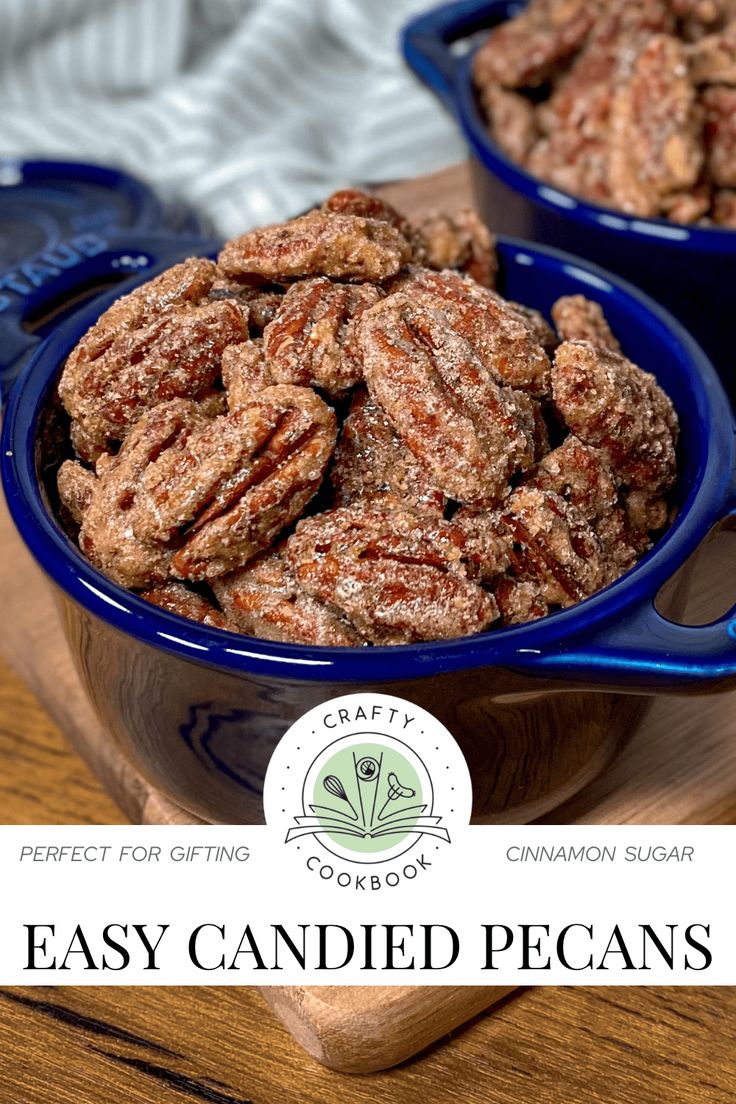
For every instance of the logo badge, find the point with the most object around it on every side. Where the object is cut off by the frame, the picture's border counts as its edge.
(367, 778)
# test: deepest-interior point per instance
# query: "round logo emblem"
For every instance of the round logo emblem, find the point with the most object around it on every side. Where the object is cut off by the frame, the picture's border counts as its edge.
(367, 777)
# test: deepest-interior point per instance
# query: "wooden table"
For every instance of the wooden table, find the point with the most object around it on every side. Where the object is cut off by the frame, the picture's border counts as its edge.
(220, 1046)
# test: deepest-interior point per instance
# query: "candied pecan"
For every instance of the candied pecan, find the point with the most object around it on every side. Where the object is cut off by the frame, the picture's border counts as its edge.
(312, 338)
(263, 599)
(354, 201)
(571, 161)
(259, 302)
(224, 493)
(512, 121)
(119, 370)
(519, 601)
(505, 339)
(470, 434)
(523, 51)
(610, 403)
(656, 127)
(554, 546)
(86, 447)
(720, 135)
(487, 550)
(107, 537)
(176, 598)
(689, 206)
(580, 474)
(76, 486)
(537, 325)
(371, 459)
(244, 372)
(318, 244)
(461, 241)
(724, 207)
(713, 58)
(581, 319)
(397, 575)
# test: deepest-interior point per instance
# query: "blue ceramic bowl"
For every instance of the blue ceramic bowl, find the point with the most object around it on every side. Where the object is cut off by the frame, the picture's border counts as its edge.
(537, 709)
(692, 270)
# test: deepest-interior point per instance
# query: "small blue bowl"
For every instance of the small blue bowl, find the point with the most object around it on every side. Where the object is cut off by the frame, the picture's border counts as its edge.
(537, 709)
(691, 269)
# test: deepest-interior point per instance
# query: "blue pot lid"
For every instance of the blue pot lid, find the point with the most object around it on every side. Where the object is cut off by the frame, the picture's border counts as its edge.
(54, 217)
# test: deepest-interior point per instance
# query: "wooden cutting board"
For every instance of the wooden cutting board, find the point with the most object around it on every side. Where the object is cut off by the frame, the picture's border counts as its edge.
(680, 768)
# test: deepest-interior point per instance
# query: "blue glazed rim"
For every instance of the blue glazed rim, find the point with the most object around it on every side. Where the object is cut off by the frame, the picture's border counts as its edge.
(615, 638)
(427, 44)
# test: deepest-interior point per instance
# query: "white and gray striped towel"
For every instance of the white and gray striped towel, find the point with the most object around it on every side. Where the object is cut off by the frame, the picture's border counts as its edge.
(250, 109)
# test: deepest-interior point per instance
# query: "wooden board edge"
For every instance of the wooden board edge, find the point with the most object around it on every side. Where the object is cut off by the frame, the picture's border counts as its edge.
(364, 1029)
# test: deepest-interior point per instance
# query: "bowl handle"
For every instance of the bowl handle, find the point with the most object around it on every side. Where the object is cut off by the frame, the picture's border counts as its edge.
(41, 292)
(427, 42)
(645, 651)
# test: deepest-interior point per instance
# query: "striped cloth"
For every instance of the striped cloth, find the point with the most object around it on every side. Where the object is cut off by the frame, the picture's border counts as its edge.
(250, 109)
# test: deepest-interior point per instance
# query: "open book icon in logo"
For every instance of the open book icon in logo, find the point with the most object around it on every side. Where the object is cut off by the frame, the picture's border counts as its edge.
(368, 793)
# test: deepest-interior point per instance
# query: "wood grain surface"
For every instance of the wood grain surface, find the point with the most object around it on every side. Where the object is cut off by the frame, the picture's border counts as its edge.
(569, 1046)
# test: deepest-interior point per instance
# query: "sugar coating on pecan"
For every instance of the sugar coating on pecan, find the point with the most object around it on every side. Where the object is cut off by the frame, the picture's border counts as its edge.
(259, 302)
(264, 599)
(713, 57)
(470, 434)
(579, 319)
(581, 475)
(720, 135)
(724, 207)
(552, 545)
(522, 52)
(512, 121)
(612, 404)
(655, 145)
(460, 241)
(155, 344)
(311, 341)
(505, 339)
(397, 575)
(244, 372)
(176, 598)
(354, 201)
(105, 509)
(320, 243)
(226, 491)
(371, 459)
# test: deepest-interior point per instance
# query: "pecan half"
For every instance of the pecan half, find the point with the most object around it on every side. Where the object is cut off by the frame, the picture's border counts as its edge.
(259, 302)
(318, 244)
(504, 337)
(460, 241)
(512, 121)
(155, 344)
(225, 493)
(470, 434)
(553, 546)
(656, 126)
(354, 201)
(312, 338)
(713, 58)
(104, 504)
(397, 575)
(263, 599)
(580, 319)
(177, 598)
(523, 51)
(610, 403)
(720, 135)
(371, 459)
(244, 372)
